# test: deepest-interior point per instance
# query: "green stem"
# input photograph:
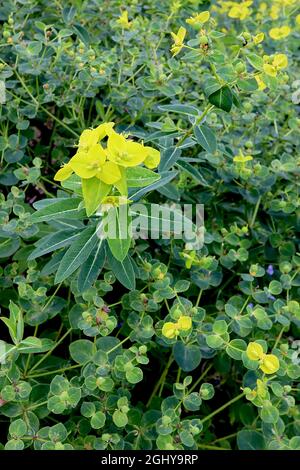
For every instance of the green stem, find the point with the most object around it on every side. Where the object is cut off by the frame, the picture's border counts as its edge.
(230, 402)
(199, 298)
(51, 350)
(162, 377)
(255, 212)
(57, 371)
(209, 447)
(200, 378)
(208, 108)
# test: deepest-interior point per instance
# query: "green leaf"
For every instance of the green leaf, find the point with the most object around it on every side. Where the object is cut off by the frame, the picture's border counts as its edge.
(66, 208)
(82, 351)
(256, 61)
(222, 98)
(29, 345)
(165, 177)
(250, 440)
(188, 168)
(247, 85)
(120, 419)
(235, 349)
(138, 177)
(118, 218)
(187, 356)
(53, 242)
(206, 138)
(77, 254)
(92, 267)
(18, 428)
(93, 191)
(8, 246)
(123, 270)
(98, 420)
(134, 375)
(168, 158)
(180, 109)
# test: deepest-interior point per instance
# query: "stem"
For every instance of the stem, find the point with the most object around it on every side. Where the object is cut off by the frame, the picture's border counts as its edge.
(230, 402)
(278, 338)
(255, 212)
(29, 355)
(33, 407)
(118, 345)
(208, 108)
(200, 378)
(57, 371)
(51, 350)
(41, 106)
(206, 446)
(162, 377)
(199, 297)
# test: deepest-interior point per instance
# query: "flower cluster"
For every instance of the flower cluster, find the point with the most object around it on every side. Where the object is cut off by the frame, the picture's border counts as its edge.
(268, 363)
(92, 159)
(171, 330)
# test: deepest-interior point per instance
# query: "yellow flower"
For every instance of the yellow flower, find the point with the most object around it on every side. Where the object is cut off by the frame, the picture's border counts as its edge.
(261, 84)
(242, 158)
(170, 330)
(254, 351)
(280, 61)
(270, 364)
(153, 157)
(262, 389)
(279, 33)
(123, 20)
(113, 201)
(274, 12)
(184, 323)
(178, 41)
(258, 38)
(93, 163)
(199, 18)
(63, 173)
(125, 152)
(90, 158)
(240, 10)
(298, 20)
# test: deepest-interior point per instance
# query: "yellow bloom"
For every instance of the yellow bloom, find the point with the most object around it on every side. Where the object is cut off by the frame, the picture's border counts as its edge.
(123, 20)
(240, 10)
(279, 33)
(125, 152)
(270, 364)
(258, 38)
(199, 18)
(242, 158)
(63, 173)
(280, 61)
(178, 40)
(170, 330)
(113, 201)
(93, 163)
(298, 20)
(254, 351)
(184, 323)
(274, 12)
(153, 157)
(261, 84)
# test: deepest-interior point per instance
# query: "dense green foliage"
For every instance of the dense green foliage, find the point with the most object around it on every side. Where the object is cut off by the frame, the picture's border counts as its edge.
(145, 344)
